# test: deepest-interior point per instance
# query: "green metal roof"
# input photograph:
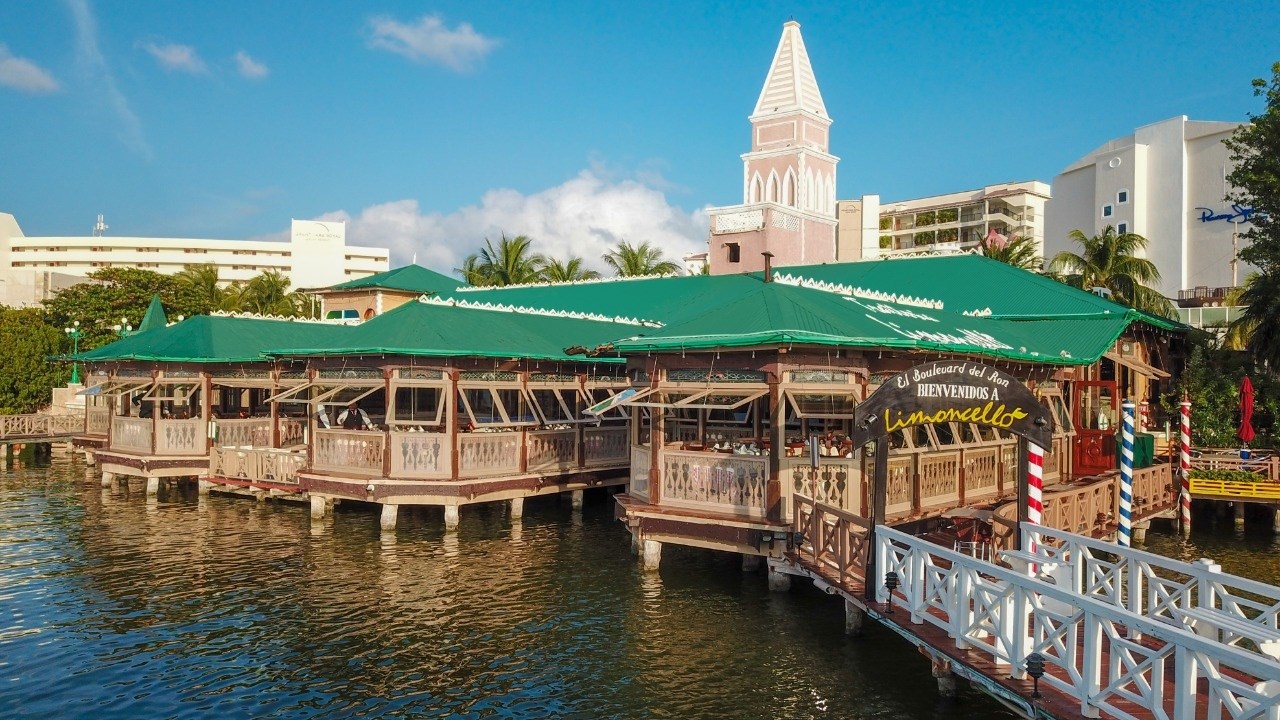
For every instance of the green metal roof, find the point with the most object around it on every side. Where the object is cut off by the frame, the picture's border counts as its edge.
(154, 317)
(967, 283)
(214, 338)
(410, 278)
(441, 329)
(780, 314)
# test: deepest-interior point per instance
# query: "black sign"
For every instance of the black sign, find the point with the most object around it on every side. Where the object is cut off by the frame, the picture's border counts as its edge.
(952, 391)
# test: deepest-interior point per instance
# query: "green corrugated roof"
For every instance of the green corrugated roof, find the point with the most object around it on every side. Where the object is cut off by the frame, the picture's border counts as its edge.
(215, 338)
(154, 317)
(410, 278)
(444, 330)
(779, 314)
(973, 282)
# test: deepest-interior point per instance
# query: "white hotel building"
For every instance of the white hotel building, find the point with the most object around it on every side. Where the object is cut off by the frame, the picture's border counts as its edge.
(315, 255)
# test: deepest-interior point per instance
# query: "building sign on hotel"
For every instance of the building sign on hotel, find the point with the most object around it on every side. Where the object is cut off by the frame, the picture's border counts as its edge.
(950, 391)
(1238, 214)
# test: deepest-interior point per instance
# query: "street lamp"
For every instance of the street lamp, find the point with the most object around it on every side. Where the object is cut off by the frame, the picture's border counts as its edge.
(123, 329)
(74, 332)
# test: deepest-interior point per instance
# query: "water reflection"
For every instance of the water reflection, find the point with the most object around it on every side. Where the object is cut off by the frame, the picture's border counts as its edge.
(116, 605)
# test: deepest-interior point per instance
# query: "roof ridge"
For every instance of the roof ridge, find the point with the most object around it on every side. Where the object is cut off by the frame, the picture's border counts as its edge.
(262, 316)
(550, 283)
(798, 280)
(525, 310)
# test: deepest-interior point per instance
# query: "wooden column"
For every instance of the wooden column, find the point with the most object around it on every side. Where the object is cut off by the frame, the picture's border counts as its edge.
(388, 407)
(657, 437)
(777, 446)
(155, 415)
(451, 422)
(275, 414)
(206, 407)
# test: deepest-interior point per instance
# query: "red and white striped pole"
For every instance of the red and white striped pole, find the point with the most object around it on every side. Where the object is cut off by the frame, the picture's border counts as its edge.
(1184, 457)
(1035, 489)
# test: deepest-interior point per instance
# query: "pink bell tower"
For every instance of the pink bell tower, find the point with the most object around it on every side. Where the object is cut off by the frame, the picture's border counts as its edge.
(788, 178)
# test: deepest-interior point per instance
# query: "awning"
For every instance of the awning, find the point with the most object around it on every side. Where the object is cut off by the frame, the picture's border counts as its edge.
(1149, 371)
(694, 399)
(605, 406)
(94, 390)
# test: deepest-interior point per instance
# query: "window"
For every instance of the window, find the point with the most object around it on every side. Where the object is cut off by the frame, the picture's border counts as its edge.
(1107, 210)
(489, 407)
(557, 405)
(1122, 228)
(735, 252)
(418, 405)
(808, 404)
(1122, 197)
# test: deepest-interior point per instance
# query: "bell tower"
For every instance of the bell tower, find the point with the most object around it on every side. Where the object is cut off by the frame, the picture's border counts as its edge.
(788, 177)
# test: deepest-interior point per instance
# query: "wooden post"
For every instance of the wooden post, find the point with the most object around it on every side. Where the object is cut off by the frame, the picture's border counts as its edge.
(879, 503)
(206, 407)
(1020, 478)
(451, 423)
(777, 446)
(388, 407)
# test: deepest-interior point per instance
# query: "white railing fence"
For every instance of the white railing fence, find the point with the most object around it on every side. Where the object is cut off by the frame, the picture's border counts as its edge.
(1087, 644)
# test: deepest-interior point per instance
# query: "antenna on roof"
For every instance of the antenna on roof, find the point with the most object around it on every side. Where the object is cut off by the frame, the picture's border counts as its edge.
(100, 227)
(415, 259)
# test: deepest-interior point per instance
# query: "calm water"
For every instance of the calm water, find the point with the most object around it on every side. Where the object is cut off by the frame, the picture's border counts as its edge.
(113, 606)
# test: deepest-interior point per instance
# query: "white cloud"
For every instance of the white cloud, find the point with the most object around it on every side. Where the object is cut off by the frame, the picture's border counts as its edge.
(95, 66)
(175, 57)
(586, 217)
(430, 41)
(23, 74)
(249, 67)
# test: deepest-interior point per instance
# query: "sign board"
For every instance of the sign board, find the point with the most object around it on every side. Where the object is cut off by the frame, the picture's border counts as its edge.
(953, 391)
(319, 232)
(606, 405)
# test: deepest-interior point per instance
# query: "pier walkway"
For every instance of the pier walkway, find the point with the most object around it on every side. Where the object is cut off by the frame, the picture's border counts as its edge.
(1119, 632)
(39, 427)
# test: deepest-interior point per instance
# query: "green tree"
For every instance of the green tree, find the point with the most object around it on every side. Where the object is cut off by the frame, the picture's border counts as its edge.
(113, 294)
(568, 271)
(268, 294)
(202, 283)
(629, 260)
(1110, 260)
(26, 378)
(1255, 156)
(1018, 251)
(511, 262)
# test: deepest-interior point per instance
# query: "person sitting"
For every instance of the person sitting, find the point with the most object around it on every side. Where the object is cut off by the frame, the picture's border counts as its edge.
(354, 418)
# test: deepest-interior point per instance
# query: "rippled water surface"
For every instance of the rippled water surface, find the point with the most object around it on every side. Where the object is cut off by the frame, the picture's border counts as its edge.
(114, 606)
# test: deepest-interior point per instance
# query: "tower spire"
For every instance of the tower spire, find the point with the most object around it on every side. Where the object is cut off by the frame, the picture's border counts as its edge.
(790, 84)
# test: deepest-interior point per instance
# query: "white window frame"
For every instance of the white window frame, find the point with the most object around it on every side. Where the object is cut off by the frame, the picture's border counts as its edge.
(496, 399)
(398, 385)
(1125, 200)
(567, 416)
(793, 404)
(1108, 210)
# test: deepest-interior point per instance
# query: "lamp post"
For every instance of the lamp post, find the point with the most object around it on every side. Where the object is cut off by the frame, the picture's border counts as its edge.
(123, 329)
(74, 332)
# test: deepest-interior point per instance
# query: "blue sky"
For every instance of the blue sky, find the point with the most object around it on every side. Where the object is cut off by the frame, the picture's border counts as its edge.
(430, 126)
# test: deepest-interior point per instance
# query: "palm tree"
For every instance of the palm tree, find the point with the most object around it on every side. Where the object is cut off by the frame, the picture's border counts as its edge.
(629, 260)
(268, 294)
(202, 283)
(569, 271)
(512, 262)
(1110, 261)
(1018, 251)
(1258, 330)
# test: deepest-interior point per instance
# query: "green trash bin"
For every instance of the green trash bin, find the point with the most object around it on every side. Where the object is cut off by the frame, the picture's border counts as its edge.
(1144, 449)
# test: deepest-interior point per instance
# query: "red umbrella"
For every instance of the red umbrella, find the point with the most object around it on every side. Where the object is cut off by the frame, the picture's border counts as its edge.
(1245, 433)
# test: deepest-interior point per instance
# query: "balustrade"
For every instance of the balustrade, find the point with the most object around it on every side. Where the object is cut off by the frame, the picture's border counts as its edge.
(349, 451)
(254, 432)
(725, 483)
(418, 455)
(483, 454)
(37, 424)
(181, 437)
(902, 469)
(131, 434)
(836, 481)
(939, 479)
(605, 446)
(981, 473)
(640, 464)
(834, 540)
(257, 464)
(552, 450)
(97, 420)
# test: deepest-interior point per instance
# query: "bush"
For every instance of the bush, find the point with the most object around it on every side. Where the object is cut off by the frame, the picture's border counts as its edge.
(1228, 475)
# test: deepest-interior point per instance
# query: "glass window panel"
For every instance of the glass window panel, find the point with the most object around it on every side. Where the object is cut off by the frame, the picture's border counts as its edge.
(946, 434)
(482, 406)
(516, 403)
(419, 404)
(822, 405)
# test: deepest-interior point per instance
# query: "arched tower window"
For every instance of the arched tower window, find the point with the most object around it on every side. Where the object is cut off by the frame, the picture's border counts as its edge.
(757, 189)
(789, 188)
(771, 189)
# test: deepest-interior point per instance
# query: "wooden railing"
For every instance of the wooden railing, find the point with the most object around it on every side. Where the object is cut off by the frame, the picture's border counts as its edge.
(97, 420)
(718, 482)
(357, 452)
(131, 434)
(255, 432)
(837, 482)
(640, 464)
(417, 455)
(1262, 490)
(981, 473)
(900, 497)
(1088, 645)
(1268, 467)
(256, 465)
(939, 479)
(605, 446)
(486, 454)
(37, 425)
(552, 450)
(181, 437)
(834, 541)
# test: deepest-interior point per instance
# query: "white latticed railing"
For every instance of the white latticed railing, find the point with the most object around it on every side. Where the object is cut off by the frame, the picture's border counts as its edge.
(131, 434)
(256, 465)
(181, 437)
(97, 420)
(37, 425)
(1162, 588)
(739, 221)
(552, 450)
(417, 455)
(357, 452)
(641, 461)
(1089, 646)
(605, 446)
(724, 483)
(483, 454)
(254, 432)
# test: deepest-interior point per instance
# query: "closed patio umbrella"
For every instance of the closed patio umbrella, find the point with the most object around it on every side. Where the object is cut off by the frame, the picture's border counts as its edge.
(1245, 433)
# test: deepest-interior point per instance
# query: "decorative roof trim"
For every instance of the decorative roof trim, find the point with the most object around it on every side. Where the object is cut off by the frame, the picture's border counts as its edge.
(281, 318)
(522, 310)
(852, 291)
(547, 283)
